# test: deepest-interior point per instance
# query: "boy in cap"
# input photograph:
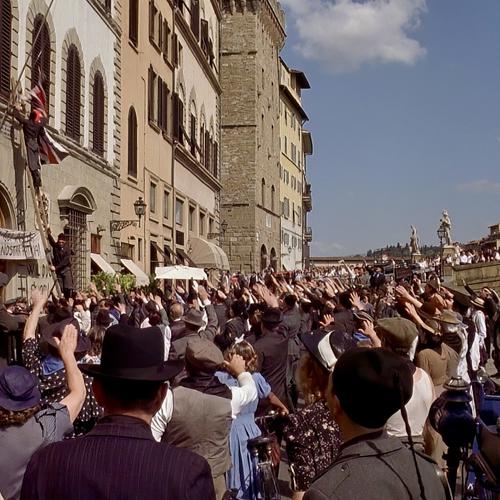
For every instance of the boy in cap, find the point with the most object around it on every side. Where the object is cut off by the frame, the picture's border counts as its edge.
(368, 386)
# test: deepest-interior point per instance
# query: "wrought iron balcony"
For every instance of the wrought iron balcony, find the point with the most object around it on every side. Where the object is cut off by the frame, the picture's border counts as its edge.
(308, 234)
(307, 198)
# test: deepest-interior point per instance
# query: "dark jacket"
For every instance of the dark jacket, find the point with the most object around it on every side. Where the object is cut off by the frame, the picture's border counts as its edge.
(271, 347)
(178, 329)
(61, 258)
(377, 467)
(209, 332)
(118, 459)
(7, 322)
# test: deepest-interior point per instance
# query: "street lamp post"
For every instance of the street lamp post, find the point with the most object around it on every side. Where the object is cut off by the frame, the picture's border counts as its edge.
(441, 232)
(139, 209)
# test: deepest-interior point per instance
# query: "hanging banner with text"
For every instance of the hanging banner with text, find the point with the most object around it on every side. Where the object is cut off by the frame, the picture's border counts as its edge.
(20, 245)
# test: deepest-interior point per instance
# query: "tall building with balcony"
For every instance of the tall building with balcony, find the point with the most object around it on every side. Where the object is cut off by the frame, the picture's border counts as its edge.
(75, 47)
(307, 205)
(252, 35)
(293, 183)
(170, 110)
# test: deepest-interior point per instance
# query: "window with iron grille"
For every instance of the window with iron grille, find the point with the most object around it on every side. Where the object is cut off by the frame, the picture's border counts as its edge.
(5, 46)
(77, 238)
(132, 143)
(40, 65)
(98, 115)
(73, 93)
(133, 21)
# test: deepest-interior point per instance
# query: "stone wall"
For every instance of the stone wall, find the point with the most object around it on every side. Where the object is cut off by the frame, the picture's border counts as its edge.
(252, 36)
(478, 275)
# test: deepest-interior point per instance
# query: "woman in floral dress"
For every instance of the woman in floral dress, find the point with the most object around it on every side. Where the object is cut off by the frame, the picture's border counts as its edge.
(311, 435)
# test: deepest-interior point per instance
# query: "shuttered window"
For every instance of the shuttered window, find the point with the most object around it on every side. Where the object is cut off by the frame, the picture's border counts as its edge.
(98, 115)
(175, 111)
(195, 18)
(215, 170)
(163, 96)
(132, 143)
(133, 21)
(178, 119)
(202, 144)
(175, 50)
(73, 93)
(192, 134)
(40, 67)
(151, 95)
(207, 150)
(5, 46)
(182, 132)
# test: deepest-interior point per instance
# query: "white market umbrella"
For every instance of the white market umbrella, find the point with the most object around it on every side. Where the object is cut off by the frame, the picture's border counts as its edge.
(180, 273)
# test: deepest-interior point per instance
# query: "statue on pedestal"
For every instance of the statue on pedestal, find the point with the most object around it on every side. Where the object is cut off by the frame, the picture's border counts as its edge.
(445, 224)
(414, 241)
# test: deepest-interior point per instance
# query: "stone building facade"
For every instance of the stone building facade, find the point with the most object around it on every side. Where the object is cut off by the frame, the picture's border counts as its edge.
(292, 166)
(82, 82)
(252, 35)
(170, 123)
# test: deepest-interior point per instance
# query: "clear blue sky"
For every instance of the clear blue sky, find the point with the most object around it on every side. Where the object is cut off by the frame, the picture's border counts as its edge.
(405, 115)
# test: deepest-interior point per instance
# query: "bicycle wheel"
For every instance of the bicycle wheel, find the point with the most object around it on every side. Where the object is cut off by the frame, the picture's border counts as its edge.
(268, 483)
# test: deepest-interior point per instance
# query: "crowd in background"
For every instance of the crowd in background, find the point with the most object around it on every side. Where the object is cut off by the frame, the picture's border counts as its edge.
(93, 366)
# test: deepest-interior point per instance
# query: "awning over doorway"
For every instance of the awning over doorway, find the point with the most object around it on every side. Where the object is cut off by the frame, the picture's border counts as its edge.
(141, 277)
(208, 255)
(102, 264)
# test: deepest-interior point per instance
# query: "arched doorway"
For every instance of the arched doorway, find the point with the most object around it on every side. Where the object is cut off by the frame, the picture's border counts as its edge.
(274, 259)
(6, 211)
(263, 257)
(6, 222)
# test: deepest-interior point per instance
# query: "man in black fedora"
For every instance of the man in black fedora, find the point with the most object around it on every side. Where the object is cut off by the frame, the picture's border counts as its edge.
(119, 458)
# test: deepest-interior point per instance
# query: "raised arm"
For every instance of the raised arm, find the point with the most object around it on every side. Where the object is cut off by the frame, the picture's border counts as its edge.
(38, 300)
(74, 378)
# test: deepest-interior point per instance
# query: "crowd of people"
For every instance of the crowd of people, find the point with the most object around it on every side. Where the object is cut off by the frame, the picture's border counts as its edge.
(155, 394)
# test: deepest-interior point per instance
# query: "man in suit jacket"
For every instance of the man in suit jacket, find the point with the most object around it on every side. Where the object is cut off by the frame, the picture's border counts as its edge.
(367, 387)
(177, 325)
(119, 458)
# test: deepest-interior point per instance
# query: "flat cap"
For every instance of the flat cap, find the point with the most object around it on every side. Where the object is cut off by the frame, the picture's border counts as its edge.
(399, 332)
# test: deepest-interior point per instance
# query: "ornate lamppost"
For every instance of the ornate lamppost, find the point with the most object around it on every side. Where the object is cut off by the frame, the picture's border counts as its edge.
(140, 211)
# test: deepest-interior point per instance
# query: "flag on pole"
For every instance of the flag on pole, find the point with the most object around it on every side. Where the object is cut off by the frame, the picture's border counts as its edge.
(51, 152)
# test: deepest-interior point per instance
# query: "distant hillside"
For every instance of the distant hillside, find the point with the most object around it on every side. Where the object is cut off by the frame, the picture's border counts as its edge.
(402, 251)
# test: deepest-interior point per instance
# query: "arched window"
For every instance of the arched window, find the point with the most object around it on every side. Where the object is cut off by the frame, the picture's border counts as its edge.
(40, 58)
(5, 46)
(133, 21)
(263, 193)
(132, 143)
(98, 115)
(273, 194)
(73, 93)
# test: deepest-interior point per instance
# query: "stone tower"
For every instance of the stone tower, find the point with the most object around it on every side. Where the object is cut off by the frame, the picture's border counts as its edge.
(253, 33)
